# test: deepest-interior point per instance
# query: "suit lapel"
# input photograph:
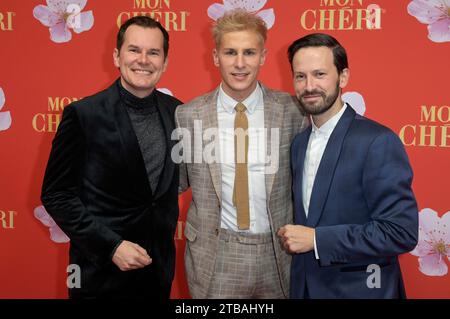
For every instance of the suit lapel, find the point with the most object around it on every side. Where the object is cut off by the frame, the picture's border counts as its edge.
(325, 172)
(273, 118)
(130, 145)
(208, 117)
(167, 121)
(298, 163)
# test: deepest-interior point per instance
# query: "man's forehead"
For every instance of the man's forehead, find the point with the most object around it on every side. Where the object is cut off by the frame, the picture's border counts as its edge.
(136, 30)
(237, 37)
(319, 55)
(317, 51)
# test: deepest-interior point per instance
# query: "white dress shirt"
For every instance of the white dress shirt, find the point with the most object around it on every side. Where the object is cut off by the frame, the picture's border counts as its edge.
(316, 146)
(259, 220)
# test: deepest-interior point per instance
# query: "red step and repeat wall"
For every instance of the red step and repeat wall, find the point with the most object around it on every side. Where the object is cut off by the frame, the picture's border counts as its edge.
(54, 52)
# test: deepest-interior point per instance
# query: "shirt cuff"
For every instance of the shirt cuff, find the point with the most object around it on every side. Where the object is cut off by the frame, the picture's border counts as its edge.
(315, 248)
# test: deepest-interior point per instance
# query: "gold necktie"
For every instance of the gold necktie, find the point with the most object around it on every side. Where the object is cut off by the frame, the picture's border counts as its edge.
(240, 191)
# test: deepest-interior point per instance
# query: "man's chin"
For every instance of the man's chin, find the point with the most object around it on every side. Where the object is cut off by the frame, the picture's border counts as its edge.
(311, 109)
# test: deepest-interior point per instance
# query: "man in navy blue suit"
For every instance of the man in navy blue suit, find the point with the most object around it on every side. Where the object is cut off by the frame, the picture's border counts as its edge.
(355, 211)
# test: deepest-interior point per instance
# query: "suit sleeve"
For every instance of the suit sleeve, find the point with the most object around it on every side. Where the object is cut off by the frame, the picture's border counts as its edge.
(61, 193)
(393, 229)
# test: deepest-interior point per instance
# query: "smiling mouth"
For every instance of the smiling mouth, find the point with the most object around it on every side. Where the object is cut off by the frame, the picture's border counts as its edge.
(240, 75)
(311, 97)
(144, 72)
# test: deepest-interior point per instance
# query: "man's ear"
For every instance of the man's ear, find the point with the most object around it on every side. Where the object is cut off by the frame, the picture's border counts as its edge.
(116, 58)
(215, 57)
(263, 56)
(343, 78)
(166, 62)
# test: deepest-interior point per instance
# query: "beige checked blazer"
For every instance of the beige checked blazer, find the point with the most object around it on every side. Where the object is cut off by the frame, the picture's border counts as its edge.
(204, 219)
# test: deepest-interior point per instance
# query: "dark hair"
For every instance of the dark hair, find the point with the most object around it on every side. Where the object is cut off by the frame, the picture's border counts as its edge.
(321, 40)
(145, 22)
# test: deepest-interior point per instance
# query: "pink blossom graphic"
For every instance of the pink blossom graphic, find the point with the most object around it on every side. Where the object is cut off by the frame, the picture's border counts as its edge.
(216, 10)
(5, 117)
(56, 234)
(356, 101)
(434, 242)
(435, 13)
(165, 91)
(62, 15)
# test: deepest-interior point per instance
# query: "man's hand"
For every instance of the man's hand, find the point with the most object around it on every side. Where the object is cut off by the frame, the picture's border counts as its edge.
(130, 256)
(297, 238)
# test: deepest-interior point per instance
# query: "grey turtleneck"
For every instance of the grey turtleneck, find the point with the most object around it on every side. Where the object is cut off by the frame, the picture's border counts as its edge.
(149, 131)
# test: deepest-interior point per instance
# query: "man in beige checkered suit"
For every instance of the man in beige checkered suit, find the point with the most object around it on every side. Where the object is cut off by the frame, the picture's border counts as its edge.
(238, 205)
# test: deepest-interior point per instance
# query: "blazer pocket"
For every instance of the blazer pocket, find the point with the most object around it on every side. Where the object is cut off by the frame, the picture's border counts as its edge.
(190, 232)
(363, 268)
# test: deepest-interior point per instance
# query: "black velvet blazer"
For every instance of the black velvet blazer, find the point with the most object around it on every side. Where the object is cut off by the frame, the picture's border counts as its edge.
(97, 190)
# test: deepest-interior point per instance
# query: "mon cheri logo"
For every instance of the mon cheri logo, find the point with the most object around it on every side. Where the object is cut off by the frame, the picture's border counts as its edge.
(342, 15)
(5, 117)
(61, 16)
(216, 10)
(6, 20)
(7, 219)
(434, 242)
(161, 10)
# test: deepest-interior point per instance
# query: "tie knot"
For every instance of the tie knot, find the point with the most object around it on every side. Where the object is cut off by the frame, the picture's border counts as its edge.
(240, 107)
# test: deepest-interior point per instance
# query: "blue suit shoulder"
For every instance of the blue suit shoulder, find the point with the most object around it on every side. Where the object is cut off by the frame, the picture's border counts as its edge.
(361, 125)
(368, 129)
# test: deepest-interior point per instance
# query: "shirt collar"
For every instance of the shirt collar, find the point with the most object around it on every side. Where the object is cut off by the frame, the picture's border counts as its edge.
(327, 128)
(251, 102)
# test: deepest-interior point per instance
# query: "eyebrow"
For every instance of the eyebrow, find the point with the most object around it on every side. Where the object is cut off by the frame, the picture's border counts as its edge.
(312, 71)
(132, 46)
(244, 49)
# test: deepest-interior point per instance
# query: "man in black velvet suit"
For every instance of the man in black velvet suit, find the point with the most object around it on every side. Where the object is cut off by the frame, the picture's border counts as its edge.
(110, 183)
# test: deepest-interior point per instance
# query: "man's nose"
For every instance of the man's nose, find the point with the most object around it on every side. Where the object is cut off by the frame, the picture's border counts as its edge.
(143, 58)
(240, 61)
(309, 83)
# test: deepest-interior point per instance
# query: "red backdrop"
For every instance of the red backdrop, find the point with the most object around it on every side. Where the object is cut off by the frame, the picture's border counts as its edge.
(396, 67)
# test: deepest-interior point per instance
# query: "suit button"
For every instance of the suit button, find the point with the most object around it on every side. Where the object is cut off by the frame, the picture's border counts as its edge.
(217, 231)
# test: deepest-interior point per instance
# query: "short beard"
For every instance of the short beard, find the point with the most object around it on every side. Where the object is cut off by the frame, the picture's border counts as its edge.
(328, 101)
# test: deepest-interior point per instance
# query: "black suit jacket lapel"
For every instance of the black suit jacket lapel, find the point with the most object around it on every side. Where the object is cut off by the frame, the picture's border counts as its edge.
(130, 145)
(167, 121)
(325, 172)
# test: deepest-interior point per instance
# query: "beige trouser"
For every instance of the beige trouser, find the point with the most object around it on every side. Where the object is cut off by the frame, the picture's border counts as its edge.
(245, 267)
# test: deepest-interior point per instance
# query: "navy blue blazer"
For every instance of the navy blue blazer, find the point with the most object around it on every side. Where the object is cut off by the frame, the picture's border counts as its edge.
(362, 208)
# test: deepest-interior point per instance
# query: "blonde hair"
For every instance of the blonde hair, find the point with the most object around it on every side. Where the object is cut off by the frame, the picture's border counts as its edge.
(238, 20)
